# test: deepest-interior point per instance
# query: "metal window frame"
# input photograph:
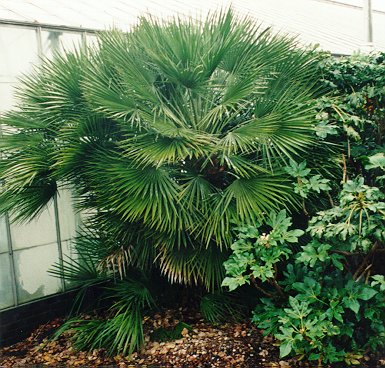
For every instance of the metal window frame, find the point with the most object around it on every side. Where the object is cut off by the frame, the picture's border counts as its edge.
(47, 26)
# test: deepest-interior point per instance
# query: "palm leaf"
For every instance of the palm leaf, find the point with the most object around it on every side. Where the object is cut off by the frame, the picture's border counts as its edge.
(169, 134)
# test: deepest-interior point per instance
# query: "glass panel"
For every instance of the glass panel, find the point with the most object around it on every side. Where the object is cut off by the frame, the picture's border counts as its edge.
(58, 41)
(18, 51)
(3, 236)
(7, 98)
(67, 216)
(68, 255)
(31, 267)
(6, 295)
(36, 232)
(70, 41)
(68, 250)
(92, 40)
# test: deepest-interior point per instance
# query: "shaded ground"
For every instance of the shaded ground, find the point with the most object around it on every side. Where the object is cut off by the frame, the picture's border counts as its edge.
(228, 345)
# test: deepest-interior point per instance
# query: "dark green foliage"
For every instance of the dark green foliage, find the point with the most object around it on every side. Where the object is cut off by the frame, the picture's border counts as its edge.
(357, 223)
(353, 114)
(323, 294)
(306, 186)
(326, 306)
(257, 253)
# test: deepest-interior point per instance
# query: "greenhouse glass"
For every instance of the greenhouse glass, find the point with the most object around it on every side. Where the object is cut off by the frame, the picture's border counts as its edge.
(28, 251)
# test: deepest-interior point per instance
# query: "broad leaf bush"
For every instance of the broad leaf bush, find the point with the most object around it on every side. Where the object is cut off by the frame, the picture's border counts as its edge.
(352, 114)
(322, 287)
(325, 305)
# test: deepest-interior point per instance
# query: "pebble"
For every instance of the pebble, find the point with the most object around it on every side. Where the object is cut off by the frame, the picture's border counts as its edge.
(264, 353)
(282, 363)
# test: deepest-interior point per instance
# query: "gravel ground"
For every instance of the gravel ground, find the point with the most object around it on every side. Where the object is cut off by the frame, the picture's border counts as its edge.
(227, 345)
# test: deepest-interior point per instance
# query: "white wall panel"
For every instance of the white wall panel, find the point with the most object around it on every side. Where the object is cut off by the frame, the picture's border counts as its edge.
(59, 41)
(18, 51)
(7, 99)
(68, 220)
(3, 235)
(6, 293)
(39, 231)
(31, 268)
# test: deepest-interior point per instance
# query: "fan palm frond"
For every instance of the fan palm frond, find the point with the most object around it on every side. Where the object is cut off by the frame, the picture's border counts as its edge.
(220, 308)
(123, 331)
(168, 134)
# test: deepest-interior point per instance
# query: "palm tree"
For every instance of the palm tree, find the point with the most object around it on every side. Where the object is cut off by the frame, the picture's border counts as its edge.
(168, 134)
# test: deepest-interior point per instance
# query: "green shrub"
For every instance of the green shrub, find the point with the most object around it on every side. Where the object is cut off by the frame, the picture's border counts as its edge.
(322, 302)
(323, 291)
(352, 114)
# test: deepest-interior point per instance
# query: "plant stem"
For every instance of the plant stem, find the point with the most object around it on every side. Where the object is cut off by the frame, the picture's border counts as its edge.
(299, 182)
(275, 283)
(278, 288)
(363, 272)
(304, 208)
(344, 170)
(345, 253)
(363, 265)
(255, 284)
(330, 199)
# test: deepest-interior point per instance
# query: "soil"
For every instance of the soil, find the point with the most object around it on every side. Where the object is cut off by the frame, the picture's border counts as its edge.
(226, 345)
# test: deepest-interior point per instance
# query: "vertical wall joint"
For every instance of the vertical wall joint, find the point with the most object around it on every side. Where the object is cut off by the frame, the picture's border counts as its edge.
(58, 238)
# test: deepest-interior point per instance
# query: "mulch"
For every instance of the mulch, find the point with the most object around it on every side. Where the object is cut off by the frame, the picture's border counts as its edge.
(226, 345)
